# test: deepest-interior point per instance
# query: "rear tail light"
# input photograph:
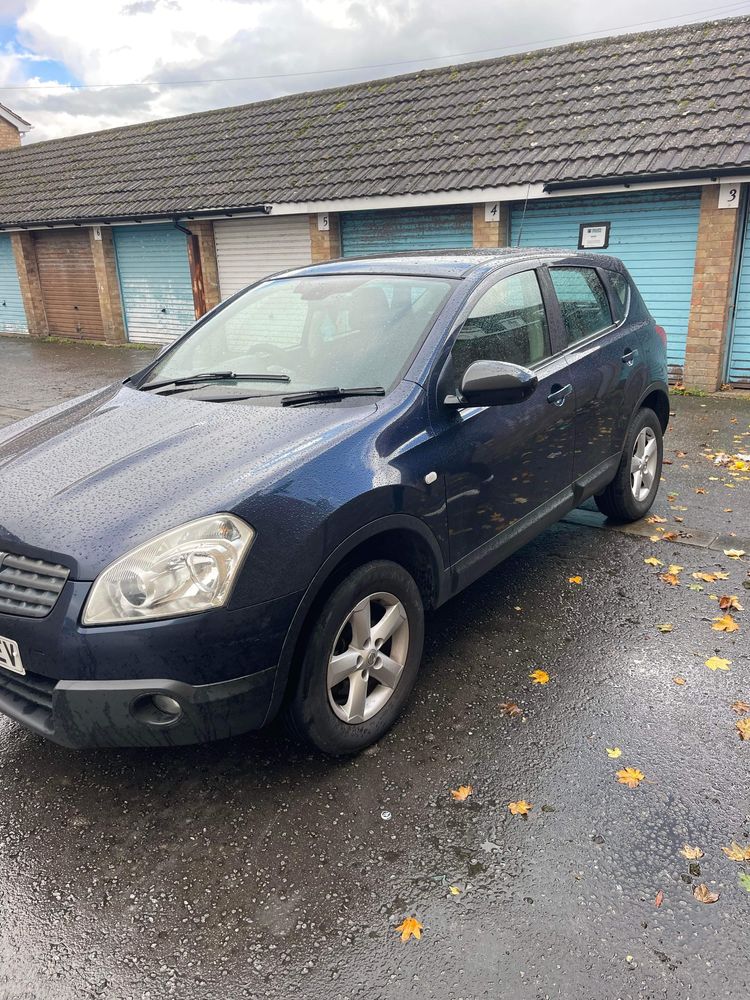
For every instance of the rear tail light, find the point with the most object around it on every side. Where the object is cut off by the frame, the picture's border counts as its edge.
(663, 334)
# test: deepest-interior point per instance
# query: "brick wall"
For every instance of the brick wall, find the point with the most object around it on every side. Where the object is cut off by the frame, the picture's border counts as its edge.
(490, 234)
(209, 264)
(10, 137)
(718, 233)
(31, 289)
(325, 244)
(108, 284)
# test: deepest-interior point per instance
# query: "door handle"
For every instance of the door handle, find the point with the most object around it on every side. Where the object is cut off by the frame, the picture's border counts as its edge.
(559, 394)
(628, 357)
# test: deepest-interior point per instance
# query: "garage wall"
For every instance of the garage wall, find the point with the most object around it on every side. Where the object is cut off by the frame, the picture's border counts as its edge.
(250, 249)
(68, 284)
(655, 235)
(155, 283)
(12, 314)
(445, 227)
(738, 368)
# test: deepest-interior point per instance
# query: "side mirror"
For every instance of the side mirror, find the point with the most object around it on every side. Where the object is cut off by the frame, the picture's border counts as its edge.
(494, 383)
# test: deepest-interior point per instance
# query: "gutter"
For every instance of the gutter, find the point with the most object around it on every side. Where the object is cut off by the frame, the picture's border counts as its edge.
(627, 180)
(115, 220)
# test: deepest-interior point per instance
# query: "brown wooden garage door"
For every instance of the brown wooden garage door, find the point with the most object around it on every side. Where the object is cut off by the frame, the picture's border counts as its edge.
(68, 280)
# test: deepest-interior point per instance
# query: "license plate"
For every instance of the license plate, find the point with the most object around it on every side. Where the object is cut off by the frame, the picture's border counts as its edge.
(10, 656)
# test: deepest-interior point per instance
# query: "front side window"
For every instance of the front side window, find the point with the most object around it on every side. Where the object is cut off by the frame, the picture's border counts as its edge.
(508, 323)
(583, 301)
(340, 330)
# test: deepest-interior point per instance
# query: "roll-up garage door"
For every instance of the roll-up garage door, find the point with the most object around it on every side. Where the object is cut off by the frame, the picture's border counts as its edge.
(155, 283)
(12, 314)
(447, 227)
(738, 372)
(654, 234)
(250, 249)
(68, 280)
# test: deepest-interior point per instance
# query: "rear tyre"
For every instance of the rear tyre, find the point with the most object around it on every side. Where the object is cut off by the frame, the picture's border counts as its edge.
(361, 660)
(631, 493)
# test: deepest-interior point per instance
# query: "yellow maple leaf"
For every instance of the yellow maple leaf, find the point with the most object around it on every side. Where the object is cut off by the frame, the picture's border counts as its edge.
(653, 561)
(743, 728)
(730, 602)
(520, 808)
(539, 677)
(725, 624)
(454, 890)
(717, 663)
(734, 553)
(575, 579)
(706, 577)
(613, 752)
(655, 519)
(678, 680)
(691, 853)
(721, 575)
(409, 927)
(665, 627)
(736, 852)
(740, 707)
(704, 895)
(630, 776)
(462, 792)
(670, 578)
(676, 570)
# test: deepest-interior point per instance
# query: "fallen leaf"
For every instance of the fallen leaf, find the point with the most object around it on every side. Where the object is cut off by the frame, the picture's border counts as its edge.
(681, 454)
(706, 577)
(669, 536)
(700, 490)
(679, 519)
(744, 881)
(678, 680)
(721, 575)
(613, 752)
(734, 553)
(725, 624)
(539, 677)
(575, 579)
(653, 561)
(694, 586)
(736, 852)
(655, 519)
(630, 776)
(462, 792)
(510, 708)
(520, 808)
(704, 895)
(665, 627)
(410, 927)
(454, 890)
(717, 663)
(740, 706)
(655, 538)
(729, 510)
(743, 728)
(659, 899)
(691, 853)
(670, 578)
(676, 570)
(730, 602)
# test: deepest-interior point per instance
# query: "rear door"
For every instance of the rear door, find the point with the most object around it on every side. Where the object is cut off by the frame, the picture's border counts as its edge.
(606, 364)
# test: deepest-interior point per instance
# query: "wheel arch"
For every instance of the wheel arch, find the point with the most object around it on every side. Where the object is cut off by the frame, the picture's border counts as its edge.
(656, 398)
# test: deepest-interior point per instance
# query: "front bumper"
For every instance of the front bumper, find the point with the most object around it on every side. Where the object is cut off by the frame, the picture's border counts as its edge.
(120, 713)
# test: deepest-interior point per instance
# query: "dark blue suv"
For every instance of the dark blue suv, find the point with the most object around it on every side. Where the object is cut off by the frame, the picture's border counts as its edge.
(259, 519)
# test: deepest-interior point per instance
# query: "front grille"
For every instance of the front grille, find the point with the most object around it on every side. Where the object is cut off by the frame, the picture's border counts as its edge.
(27, 697)
(29, 587)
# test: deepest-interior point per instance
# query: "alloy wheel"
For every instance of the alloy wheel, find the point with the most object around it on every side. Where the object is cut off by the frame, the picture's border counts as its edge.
(643, 464)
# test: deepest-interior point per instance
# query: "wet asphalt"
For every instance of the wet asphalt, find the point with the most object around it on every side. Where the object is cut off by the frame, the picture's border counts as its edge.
(252, 868)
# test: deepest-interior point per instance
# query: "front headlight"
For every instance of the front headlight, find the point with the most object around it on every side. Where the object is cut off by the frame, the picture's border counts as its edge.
(188, 569)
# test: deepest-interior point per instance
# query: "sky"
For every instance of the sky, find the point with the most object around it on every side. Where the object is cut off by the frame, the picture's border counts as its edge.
(72, 66)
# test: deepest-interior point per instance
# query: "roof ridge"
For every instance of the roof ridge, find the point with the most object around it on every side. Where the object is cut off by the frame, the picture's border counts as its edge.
(366, 84)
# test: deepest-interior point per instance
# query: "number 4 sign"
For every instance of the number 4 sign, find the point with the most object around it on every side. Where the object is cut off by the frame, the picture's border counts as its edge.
(491, 211)
(729, 195)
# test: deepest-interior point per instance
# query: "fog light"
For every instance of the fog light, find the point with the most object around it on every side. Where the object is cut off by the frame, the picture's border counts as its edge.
(166, 704)
(156, 709)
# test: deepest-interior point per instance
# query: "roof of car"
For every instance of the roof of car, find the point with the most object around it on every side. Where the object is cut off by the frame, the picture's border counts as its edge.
(453, 263)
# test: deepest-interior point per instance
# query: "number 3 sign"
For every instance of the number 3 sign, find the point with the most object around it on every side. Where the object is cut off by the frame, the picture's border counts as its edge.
(729, 195)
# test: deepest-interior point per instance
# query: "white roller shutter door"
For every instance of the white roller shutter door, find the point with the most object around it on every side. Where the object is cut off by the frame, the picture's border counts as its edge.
(250, 249)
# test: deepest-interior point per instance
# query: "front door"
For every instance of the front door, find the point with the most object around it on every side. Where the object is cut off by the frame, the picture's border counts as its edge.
(503, 464)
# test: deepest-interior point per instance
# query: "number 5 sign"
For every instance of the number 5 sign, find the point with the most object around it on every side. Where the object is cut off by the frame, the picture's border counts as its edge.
(729, 195)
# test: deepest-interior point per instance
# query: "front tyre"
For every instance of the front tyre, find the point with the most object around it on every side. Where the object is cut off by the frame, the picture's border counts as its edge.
(631, 493)
(361, 660)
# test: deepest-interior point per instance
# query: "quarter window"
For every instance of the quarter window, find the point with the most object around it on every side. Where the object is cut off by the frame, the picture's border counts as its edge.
(621, 289)
(507, 324)
(583, 301)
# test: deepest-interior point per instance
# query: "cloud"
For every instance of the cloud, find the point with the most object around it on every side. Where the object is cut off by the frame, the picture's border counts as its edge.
(286, 42)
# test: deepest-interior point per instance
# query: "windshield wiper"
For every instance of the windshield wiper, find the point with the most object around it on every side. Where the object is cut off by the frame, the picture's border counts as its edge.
(216, 377)
(331, 394)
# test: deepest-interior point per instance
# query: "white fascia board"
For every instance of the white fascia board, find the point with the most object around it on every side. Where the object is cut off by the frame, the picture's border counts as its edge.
(17, 123)
(511, 192)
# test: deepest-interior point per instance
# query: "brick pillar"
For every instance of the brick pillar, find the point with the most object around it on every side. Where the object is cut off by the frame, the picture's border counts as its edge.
(105, 268)
(209, 265)
(31, 288)
(10, 137)
(713, 285)
(325, 244)
(490, 234)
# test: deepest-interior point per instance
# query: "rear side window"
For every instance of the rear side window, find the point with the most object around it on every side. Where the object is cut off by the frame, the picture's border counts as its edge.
(621, 288)
(583, 301)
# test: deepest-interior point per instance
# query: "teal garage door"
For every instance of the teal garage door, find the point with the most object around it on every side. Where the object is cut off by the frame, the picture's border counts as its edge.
(12, 314)
(738, 370)
(655, 235)
(448, 227)
(155, 283)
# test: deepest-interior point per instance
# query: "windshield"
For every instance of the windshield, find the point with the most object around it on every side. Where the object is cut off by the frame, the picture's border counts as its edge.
(330, 330)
